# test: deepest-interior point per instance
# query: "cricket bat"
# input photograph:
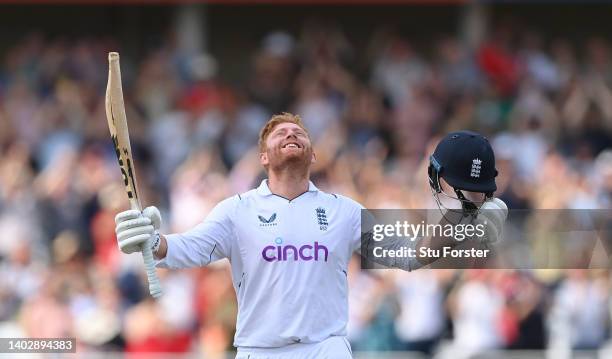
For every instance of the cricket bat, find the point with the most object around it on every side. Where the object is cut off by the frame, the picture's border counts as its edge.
(117, 124)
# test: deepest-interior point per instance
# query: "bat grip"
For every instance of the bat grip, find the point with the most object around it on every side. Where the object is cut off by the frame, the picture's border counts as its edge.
(154, 286)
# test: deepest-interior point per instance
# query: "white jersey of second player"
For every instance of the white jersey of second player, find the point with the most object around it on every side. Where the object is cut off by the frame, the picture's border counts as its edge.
(289, 262)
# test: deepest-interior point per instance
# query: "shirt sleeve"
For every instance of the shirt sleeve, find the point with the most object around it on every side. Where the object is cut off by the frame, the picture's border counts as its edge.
(207, 242)
(363, 222)
(353, 210)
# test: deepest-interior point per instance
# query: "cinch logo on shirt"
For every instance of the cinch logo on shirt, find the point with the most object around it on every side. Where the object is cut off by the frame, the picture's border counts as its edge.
(307, 252)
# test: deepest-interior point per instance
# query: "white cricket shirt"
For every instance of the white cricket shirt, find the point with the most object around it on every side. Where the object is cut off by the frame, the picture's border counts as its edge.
(288, 260)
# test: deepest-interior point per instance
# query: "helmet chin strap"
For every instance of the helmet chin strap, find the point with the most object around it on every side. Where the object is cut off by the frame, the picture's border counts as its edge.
(469, 207)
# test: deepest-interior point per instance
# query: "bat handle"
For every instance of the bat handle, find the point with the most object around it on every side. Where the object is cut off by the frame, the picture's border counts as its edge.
(154, 286)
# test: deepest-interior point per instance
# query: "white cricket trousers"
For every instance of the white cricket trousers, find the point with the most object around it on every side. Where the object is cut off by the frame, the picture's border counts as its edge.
(331, 348)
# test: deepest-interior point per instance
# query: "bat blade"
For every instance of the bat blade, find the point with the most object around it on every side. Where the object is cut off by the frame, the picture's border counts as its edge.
(117, 124)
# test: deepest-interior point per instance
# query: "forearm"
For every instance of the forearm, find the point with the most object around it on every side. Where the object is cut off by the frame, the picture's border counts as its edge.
(163, 248)
(433, 244)
(194, 248)
(371, 250)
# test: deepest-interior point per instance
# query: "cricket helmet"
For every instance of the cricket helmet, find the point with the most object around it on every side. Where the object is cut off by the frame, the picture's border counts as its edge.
(466, 161)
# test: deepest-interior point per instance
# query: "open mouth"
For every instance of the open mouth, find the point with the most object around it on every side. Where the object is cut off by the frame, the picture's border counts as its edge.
(291, 145)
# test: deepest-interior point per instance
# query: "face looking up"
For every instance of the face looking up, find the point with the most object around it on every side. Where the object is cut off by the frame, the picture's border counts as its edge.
(288, 144)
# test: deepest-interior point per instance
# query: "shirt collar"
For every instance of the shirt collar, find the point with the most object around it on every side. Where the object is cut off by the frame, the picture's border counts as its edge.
(264, 190)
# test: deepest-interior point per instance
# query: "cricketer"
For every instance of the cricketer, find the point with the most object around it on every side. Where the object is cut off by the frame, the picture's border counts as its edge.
(289, 243)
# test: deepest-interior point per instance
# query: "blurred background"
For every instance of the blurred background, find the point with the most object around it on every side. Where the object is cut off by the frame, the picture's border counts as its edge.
(376, 84)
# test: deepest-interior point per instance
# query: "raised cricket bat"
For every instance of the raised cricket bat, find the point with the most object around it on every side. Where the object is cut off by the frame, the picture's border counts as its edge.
(117, 124)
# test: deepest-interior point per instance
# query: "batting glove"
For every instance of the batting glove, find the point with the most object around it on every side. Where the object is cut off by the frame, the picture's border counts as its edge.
(134, 228)
(492, 214)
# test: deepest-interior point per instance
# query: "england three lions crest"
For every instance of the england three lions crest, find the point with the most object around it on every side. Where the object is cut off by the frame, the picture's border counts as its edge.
(322, 218)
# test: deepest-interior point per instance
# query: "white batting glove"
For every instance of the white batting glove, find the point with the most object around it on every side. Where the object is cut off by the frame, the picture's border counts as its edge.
(134, 228)
(492, 214)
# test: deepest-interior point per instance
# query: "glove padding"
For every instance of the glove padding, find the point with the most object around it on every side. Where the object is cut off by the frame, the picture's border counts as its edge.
(492, 214)
(134, 228)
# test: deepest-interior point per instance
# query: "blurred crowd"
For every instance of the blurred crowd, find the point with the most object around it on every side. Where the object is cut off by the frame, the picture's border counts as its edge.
(374, 116)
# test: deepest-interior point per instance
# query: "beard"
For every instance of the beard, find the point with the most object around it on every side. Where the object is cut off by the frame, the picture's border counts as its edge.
(296, 159)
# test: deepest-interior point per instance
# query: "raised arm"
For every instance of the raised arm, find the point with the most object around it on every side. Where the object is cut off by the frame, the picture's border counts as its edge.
(207, 242)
